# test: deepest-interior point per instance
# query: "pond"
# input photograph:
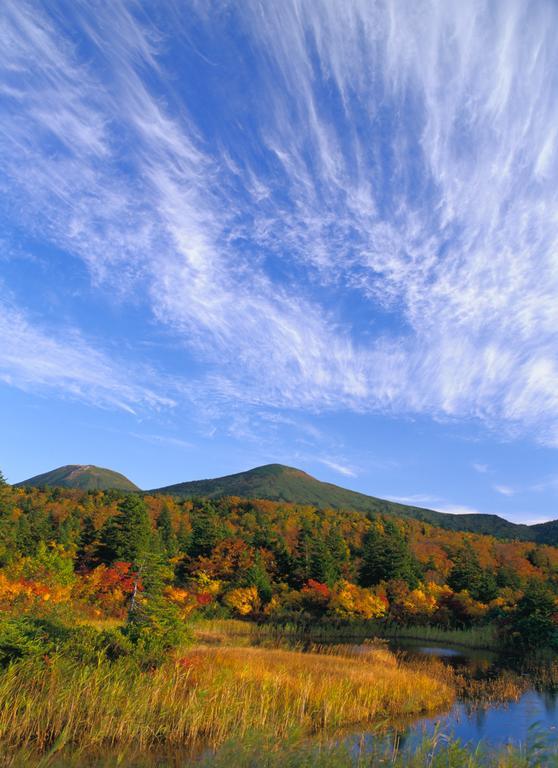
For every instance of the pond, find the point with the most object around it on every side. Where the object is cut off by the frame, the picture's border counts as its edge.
(492, 723)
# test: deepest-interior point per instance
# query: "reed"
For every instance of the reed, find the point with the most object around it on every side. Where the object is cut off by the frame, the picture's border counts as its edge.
(221, 630)
(207, 696)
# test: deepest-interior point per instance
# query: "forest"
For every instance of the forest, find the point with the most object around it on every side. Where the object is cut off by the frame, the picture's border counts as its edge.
(97, 554)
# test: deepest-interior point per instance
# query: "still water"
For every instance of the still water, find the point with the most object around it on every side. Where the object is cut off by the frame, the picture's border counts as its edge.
(494, 724)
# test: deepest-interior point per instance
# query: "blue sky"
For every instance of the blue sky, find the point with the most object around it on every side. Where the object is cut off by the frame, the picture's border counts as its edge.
(315, 232)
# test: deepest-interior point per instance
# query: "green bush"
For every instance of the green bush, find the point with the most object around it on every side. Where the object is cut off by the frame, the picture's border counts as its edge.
(153, 629)
(25, 636)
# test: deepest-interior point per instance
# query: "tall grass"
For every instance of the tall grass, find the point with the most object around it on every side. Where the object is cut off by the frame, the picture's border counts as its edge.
(483, 638)
(207, 696)
(221, 629)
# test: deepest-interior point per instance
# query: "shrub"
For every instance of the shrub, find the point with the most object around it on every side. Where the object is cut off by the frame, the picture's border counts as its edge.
(155, 627)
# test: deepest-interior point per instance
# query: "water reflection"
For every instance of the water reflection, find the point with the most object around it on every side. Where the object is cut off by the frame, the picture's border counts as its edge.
(493, 723)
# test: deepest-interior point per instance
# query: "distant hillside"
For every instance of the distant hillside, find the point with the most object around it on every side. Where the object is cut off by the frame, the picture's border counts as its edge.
(277, 482)
(86, 477)
(280, 483)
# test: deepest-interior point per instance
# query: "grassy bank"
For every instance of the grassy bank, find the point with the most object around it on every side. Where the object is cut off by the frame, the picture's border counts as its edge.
(217, 630)
(207, 695)
(483, 638)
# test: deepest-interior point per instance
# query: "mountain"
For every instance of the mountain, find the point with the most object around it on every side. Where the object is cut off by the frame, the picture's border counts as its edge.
(277, 482)
(86, 477)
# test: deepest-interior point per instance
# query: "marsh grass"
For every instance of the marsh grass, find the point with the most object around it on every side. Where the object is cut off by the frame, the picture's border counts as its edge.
(221, 630)
(206, 696)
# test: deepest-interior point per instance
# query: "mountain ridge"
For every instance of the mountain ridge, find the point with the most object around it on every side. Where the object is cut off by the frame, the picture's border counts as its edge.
(282, 483)
(300, 487)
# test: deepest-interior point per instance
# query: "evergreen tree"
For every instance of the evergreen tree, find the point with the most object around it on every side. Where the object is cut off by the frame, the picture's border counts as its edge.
(386, 556)
(69, 531)
(533, 623)
(205, 531)
(25, 542)
(168, 537)
(257, 576)
(466, 572)
(507, 577)
(338, 547)
(322, 565)
(487, 589)
(302, 556)
(87, 542)
(127, 535)
(3, 481)
(183, 538)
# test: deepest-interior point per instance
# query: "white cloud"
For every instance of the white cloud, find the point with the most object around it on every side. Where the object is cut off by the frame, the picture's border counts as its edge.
(173, 442)
(481, 468)
(505, 490)
(458, 509)
(417, 499)
(342, 469)
(63, 361)
(424, 185)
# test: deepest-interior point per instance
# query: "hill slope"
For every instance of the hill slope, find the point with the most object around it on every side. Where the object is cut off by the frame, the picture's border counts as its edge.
(277, 482)
(86, 477)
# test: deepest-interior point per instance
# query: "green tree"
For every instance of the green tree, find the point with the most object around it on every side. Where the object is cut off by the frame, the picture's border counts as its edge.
(127, 535)
(488, 588)
(386, 556)
(466, 572)
(206, 531)
(302, 556)
(183, 538)
(87, 541)
(257, 576)
(322, 565)
(166, 533)
(533, 624)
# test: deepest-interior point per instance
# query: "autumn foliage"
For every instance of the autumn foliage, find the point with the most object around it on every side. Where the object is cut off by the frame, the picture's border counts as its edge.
(95, 552)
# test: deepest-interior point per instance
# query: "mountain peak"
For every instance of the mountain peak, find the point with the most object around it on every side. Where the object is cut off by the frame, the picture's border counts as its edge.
(86, 477)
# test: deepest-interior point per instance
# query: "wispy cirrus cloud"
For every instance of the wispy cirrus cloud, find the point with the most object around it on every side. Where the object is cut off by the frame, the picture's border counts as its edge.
(505, 490)
(342, 469)
(399, 157)
(35, 359)
(167, 440)
(480, 468)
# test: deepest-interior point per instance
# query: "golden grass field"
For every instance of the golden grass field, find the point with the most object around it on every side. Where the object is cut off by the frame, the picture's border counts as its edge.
(208, 694)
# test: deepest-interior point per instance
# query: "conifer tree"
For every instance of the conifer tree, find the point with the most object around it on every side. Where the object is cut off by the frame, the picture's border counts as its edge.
(205, 531)
(322, 566)
(466, 572)
(86, 541)
(257, 576)
(386, 556)
(183, 538)
(168, 537)
(127, 535)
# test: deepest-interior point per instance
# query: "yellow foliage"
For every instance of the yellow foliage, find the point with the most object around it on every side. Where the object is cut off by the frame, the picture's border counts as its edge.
(202, 582)
(243, 600)
(183, 599)
(349, 601)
